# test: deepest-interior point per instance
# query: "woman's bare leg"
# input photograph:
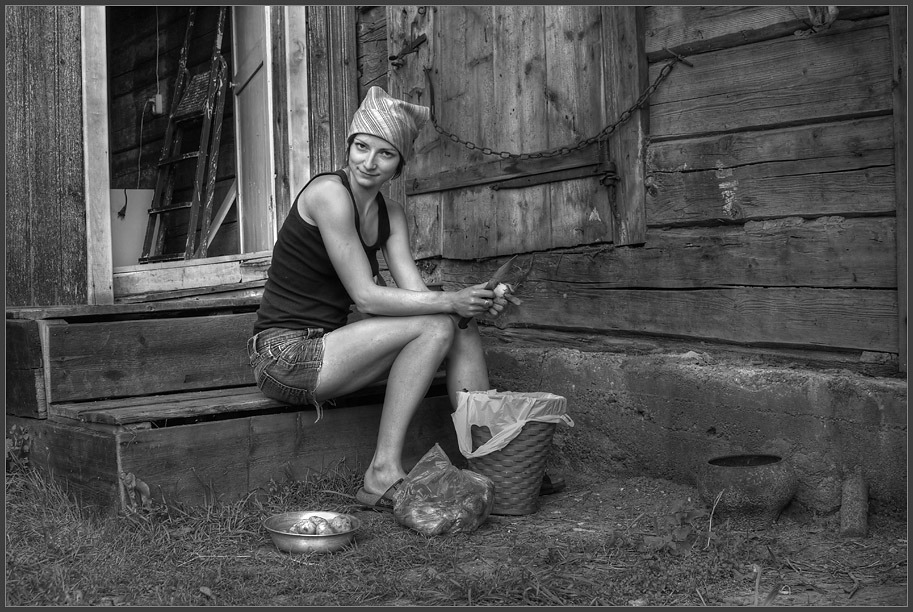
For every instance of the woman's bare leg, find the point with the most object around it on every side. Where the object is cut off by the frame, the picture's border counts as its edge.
(408, 351)
(466, 367)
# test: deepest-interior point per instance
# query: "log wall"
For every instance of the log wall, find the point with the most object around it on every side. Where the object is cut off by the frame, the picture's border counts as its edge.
(770, 187)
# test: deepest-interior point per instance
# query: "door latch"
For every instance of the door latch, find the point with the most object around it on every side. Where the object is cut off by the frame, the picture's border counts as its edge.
(410, 47)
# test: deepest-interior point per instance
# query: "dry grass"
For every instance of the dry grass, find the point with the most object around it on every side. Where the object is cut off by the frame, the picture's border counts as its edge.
(634, 542)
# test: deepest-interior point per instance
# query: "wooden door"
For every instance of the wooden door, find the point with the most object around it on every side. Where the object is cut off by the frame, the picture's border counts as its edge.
(251, 86)
(508, 80)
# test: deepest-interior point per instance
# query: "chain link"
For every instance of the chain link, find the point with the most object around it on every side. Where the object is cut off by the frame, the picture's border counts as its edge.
(604, 134)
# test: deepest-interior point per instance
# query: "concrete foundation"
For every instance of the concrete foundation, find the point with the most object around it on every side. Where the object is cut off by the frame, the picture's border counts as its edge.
(663, 415)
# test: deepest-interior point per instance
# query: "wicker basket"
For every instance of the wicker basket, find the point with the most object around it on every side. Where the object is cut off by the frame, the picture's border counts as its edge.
(516, 469)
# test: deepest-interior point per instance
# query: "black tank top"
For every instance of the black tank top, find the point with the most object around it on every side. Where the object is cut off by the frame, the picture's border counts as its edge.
(302, 288)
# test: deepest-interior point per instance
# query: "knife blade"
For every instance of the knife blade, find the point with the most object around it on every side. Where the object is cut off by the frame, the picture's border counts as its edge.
(498, 276)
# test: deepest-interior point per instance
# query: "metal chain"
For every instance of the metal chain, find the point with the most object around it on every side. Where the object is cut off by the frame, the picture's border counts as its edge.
(606, 131)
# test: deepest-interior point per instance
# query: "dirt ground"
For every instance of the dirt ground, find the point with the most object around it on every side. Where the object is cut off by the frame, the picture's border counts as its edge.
(616, 529)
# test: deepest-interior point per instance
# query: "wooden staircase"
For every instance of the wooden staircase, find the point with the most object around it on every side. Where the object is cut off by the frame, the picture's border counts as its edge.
(157, 399)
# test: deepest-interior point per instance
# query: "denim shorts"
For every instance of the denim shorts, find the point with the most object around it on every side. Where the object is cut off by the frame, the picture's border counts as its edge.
(286, 363)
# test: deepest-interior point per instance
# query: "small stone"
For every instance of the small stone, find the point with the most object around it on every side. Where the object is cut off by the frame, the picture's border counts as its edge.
(854, 508)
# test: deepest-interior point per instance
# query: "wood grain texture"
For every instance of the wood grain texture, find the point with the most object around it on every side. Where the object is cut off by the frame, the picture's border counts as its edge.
(785, 81)
(698, 29)
(840, 168)
(899, 25)
(96, 156)
(826, 252)
(229, 459)
(626, 78)
(25, 388)
(83, 459)
(46, 261)
(780, 317)
(405, 80)
(127, 358)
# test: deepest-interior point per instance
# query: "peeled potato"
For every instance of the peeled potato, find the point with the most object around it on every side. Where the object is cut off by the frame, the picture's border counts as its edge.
(323, 528)
(341, 524)
(306, 527)
(501, 289)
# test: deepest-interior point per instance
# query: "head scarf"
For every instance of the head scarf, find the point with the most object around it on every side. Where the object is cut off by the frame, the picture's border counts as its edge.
(396, 121)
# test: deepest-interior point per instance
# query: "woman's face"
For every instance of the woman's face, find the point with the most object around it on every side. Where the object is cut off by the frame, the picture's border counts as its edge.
(372, 160)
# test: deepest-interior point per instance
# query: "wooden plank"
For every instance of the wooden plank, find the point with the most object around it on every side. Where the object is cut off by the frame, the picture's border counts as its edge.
(406, 81)
(842, 168)
(519, 73)
(23, 345)
(580, 211)
(25, 389)
(372, 48)
(281, 99)
(464, 82)
(298, 103)
(127, 358)
(194, 464)
(498, 170)
(19, 143)
(847, 319)
(115, 311)
(423, 213)
(521, 218)
(787, 81)
(236, 401)
(826, 252)
(899, 82)
(82, 459)
(167, 407)
(100, 288)
(46, 262)
(226, 460)
(586, 340)
(331, 82)
(191, 274)
(323, 157)
(343, 76)
(468, 228)
(700, 28)
(626, 78)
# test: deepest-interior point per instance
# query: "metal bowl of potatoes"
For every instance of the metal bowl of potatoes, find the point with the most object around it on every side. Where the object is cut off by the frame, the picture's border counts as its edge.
(306, 531)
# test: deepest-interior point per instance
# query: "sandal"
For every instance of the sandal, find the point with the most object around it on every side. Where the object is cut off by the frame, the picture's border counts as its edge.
(383, 503)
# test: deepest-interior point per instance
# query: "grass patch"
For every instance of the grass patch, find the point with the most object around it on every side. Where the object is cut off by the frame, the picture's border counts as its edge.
(580, 549)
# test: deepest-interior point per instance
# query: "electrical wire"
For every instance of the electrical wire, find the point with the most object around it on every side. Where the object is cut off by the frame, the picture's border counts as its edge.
(158, 90)
(139, 158)
(158, 82)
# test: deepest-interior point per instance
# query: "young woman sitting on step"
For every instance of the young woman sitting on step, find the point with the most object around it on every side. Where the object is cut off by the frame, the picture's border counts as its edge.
(306, 351)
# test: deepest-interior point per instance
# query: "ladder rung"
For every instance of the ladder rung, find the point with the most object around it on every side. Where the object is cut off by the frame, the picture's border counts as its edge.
(191, 115)
(179, 206)
(179, 158)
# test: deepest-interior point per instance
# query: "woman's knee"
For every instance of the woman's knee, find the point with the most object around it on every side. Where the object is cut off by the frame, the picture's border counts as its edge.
(438, 327)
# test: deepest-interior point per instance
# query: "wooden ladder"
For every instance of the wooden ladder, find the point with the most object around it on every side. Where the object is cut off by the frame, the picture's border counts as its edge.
(198, 103)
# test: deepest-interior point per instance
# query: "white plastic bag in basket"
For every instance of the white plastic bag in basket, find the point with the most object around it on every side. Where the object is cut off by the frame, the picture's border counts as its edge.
(504, 413)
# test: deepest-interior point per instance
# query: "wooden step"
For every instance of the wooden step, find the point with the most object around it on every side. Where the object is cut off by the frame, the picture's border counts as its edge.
(220, 456)
(164, 393)
(172, 408)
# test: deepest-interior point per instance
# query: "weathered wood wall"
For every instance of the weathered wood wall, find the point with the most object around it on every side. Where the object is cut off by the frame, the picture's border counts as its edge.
(371, 46)
(144, 48)
(769, 174)
(45, 184)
